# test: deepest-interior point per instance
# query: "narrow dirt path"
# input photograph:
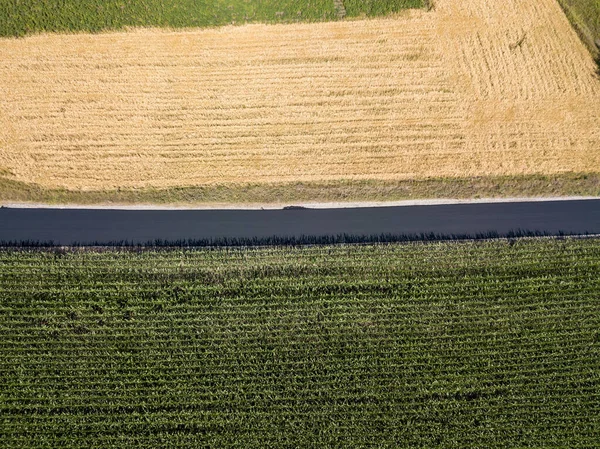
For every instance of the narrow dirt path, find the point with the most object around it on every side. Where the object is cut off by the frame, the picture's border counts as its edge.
(340, 9)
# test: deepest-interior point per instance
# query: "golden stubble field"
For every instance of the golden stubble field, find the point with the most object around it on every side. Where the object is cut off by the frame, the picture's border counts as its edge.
(472, 88)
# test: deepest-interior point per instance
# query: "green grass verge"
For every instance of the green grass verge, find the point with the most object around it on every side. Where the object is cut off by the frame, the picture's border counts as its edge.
(477, 187)
(21, 17)
(585, 17)
(489, 344)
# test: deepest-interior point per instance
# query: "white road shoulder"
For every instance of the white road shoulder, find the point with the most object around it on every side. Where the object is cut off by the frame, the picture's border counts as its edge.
(276, 206)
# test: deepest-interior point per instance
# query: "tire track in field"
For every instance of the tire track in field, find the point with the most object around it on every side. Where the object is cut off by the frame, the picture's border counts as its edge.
(340, 9)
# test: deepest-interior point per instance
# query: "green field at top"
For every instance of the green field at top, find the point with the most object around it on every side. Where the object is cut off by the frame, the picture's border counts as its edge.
(457, 344)
(21, 17)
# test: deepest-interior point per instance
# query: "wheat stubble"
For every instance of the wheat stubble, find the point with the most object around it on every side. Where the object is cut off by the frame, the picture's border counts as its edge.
(446, 93)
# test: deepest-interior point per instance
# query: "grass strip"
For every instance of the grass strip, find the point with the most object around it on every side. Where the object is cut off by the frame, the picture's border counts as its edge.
(570, 184)
(584, 15)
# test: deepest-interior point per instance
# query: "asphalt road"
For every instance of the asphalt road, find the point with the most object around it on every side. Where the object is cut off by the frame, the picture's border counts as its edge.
(66, 226)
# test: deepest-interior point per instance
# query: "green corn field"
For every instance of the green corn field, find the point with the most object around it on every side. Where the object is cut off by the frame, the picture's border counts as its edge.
(450, 344)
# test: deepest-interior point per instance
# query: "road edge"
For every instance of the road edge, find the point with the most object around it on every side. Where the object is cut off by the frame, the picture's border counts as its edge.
(300, 205)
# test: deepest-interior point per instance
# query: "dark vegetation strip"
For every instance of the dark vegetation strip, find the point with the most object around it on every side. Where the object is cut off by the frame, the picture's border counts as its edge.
(293, 241)
(464, 344)
(568, 184)
(22, 17)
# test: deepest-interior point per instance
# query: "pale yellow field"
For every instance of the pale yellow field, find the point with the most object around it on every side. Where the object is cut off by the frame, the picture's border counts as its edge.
(424, 94)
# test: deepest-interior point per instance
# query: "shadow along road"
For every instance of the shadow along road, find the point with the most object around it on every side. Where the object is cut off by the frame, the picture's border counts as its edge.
(86, 226)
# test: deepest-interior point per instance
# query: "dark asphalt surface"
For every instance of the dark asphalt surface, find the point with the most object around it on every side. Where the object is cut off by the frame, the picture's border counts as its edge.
(67, 226)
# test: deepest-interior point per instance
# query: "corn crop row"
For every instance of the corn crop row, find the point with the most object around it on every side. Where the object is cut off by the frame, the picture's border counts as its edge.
(461, 344)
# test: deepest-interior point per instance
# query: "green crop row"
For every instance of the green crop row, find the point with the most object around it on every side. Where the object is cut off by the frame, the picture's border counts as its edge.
(21, 17)
(454, 344)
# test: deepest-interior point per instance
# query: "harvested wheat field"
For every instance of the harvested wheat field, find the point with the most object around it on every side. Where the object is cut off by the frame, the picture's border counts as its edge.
(471, 88)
